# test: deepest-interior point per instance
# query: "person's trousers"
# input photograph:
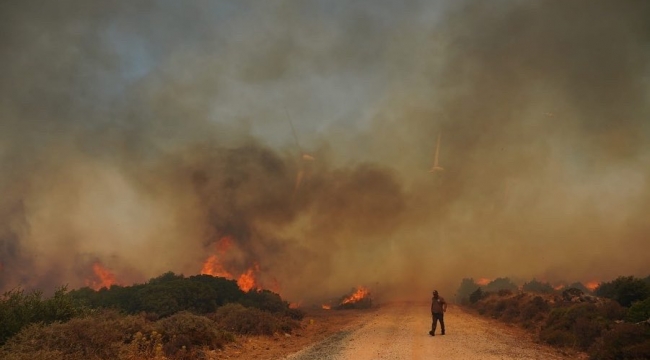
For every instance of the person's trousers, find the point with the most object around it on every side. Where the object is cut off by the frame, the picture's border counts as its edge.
(438, 317)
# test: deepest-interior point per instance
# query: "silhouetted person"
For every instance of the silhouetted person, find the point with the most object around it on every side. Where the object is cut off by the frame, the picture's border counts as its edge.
(438, 308)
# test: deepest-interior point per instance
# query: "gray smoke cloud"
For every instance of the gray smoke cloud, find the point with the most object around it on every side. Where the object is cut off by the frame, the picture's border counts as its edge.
(138, 135)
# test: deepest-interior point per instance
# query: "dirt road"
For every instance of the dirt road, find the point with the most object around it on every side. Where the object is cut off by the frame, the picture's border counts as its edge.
(400, 331)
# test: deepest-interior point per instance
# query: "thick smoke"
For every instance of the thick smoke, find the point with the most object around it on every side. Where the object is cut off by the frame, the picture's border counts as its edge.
(137, 135)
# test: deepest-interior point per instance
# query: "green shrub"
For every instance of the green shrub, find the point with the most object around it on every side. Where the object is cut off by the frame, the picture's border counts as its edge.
(466, 288)
(578, 325)
(500, 284)
(539, 287)
(623, 341)
(477, 295)
(534, 309)
(19, 309)
(639, 311)
(625, 289)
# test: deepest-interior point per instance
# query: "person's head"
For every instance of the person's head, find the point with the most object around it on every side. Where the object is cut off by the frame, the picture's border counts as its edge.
(435, 293)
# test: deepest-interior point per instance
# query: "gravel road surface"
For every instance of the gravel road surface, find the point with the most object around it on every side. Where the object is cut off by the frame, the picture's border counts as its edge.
(400, 331)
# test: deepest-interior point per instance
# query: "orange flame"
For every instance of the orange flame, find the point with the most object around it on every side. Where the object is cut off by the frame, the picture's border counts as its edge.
(357, 296)
(213, 266)
(295, 305)
(559, 287)
(326, 307)
(106, 278)
(592, 285)
(247, 280)
(482, 281)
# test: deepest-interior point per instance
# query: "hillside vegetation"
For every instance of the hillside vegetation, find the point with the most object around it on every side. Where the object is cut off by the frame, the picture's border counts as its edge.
(171, 317)
(612, 323)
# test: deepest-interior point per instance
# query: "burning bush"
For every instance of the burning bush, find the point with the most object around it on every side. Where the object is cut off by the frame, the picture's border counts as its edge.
(359, 298)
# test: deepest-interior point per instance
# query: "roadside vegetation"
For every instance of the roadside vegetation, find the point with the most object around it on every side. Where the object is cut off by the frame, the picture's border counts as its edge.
(169, 317)
(611, 323)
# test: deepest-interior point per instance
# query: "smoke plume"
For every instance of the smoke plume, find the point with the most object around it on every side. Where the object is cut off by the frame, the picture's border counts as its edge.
(138, 135)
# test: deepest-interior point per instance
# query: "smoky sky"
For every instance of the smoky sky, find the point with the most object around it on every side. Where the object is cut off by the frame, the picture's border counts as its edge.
(138, 135)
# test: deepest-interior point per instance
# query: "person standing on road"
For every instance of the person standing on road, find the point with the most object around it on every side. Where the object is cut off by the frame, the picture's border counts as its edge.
(438, 308)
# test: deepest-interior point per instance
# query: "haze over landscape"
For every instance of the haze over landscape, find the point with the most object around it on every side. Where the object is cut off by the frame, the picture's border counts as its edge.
(143, 137)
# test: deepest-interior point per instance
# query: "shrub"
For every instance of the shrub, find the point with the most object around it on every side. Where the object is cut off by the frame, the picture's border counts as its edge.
(185, 331)
(535, 309)
(466, 288)
(251, 321)
(623, 341)
(500, 284)
(504, 292)
(639, 311)
(535, 286)
(19, 309)
(580, 323)
(477, 295)
(625, 289)
(101, 335)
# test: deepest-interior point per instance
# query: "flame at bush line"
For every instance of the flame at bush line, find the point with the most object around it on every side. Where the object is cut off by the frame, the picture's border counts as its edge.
(358, 295)
(247, 280)
(294, 305)
(592, 285)
(483, 281)
(213, 266)
(104, 278)
(326, 307)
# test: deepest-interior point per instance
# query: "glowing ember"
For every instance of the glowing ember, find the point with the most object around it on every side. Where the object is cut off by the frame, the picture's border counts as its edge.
(358, 295)
(106, 278)
(483, 281)
(295, 305)
(559, 287)
(592, 285)
(326, 307)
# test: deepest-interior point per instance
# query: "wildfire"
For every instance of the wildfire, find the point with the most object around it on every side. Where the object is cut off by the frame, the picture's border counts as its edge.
(295, 305)
(106, 278)
(213, 266)
(592, 285)
(559, 287)
(482, 281)
(326, 307)
(247, 280)
(358, 295)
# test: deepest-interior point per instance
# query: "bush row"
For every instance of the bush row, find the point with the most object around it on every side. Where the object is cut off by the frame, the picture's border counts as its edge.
(109, 334)
(159, 298)
(612, 326)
